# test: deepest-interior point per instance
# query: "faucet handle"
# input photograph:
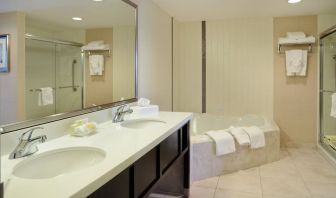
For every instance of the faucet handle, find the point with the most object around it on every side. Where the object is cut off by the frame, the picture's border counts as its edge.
(30, 132)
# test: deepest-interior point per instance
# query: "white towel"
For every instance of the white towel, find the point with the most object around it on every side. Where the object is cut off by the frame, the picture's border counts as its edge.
(296, 62)
(224, 142)
(257, 136)
(96, 64)
(240, 135)
(309, 39)
(333, 105)
(296, 35)
(45, 96)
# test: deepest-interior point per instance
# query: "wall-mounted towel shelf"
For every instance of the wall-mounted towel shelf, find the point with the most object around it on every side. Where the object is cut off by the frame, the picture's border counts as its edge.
(105, 52)
(308, 41)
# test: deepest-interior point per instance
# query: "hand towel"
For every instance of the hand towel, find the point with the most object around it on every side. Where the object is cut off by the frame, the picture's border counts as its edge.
(257, 137)
(333, 105)
(296, 62)
(96, 64)
(45, 96)
(296, 35)
(240, 135)
(224, 142)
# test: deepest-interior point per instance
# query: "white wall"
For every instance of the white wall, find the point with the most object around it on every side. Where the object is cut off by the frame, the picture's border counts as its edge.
(187, 70)
(123, 62)
(240, 66)
(325, 22)
(12, 84)
(155, 54)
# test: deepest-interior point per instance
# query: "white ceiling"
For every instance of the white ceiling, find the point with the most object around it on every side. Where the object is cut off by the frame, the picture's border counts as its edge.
(59, 12)
(196, 10)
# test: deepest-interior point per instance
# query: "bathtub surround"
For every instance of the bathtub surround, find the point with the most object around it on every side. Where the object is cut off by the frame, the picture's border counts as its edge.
(204, 161)
(295, 98)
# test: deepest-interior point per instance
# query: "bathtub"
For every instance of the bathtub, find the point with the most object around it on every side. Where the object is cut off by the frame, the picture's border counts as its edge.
(204, 162)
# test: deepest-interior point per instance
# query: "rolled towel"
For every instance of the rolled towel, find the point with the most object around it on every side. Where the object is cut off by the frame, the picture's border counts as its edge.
(257, 136)
(224, 142)
(240, 135)
(296, 35)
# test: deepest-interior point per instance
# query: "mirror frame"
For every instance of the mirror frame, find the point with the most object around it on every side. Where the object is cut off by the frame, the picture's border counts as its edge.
(7, 128)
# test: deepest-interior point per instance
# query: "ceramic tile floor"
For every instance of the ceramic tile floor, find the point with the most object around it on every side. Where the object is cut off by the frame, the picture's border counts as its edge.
(300, 173)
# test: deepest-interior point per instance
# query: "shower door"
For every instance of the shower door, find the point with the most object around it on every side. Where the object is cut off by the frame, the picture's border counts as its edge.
(69, 78)
(55, 65)
(327, 88)
(40, 72)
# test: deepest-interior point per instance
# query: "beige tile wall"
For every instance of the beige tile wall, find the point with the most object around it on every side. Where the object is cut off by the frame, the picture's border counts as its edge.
(99, 89)
(295, 98)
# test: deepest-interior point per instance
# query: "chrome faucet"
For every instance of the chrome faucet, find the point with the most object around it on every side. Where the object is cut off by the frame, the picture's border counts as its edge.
(27, 145)
(121, 112)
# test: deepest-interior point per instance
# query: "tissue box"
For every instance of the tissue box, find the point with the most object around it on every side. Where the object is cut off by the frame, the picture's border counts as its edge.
(147, 111)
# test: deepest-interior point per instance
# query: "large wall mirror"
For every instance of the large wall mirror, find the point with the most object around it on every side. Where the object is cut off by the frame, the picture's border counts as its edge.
(66, 57)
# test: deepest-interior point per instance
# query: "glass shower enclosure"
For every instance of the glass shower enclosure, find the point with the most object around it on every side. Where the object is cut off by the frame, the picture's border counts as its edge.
(57, 65)
(327, 89)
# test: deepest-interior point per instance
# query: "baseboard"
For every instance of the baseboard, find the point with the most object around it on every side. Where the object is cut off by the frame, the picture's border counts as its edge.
(326, 155)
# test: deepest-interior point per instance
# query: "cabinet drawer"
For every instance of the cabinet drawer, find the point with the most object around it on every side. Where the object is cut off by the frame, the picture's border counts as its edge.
(145, 172)
(117, 187)
(169, 150)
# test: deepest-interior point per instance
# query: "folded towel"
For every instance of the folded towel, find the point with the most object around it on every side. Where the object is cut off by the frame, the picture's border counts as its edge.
(45, 96)
(96, 47)
(240, 135)
(96, 64)
(296, 62)
(296, 35)
(310, 39)
(257, 137)
(224, 142)
(143, 102)
(333, 105)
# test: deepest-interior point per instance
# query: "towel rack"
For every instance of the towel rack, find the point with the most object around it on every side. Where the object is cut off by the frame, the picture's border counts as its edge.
(106, 52)
(327, 91)
(310, 47)
(38, 90)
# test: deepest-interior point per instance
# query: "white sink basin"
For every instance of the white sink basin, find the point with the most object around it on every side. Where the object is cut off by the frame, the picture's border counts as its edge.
(142, 123)
(58, 162)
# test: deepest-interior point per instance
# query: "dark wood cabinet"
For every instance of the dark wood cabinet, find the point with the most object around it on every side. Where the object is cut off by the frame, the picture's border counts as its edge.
(145, 173)
(169, 150)
(118, 187)
(165, 168)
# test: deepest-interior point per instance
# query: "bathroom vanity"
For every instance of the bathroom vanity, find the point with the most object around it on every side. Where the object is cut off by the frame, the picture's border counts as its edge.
(134, 159)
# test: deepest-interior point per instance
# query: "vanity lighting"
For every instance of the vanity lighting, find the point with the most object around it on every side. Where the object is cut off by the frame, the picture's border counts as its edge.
(77, 18)
(294, 1)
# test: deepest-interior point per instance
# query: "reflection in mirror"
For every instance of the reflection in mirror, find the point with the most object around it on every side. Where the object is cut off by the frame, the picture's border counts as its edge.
(66, 56)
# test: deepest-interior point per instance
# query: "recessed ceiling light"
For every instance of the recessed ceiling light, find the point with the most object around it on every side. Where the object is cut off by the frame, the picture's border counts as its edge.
(77, 18)
(97, 0)
(294, 1)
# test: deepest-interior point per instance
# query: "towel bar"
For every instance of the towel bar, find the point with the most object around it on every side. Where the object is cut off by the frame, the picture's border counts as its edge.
(310, 47)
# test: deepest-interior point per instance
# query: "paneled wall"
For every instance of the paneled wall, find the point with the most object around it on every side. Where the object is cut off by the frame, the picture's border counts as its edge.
(295, 98)
(239, 67)
(155, 54)
(187, 70)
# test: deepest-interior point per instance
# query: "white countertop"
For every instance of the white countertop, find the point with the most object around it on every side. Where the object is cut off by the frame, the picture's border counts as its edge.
(123, 146)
